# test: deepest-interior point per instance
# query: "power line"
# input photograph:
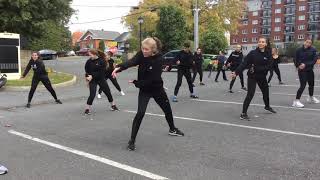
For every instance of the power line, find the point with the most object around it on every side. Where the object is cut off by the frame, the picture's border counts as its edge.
(102, 20)
(103, 6)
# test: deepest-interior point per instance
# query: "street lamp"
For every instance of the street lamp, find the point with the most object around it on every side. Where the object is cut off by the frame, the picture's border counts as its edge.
(140, 21)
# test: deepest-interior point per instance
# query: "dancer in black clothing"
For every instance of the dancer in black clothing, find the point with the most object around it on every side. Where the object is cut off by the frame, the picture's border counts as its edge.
(234, 60)
(258, 61)
(39, 74)
(110, 68)
(95, 68)
(221, 66)
(198, 60)
(306, 58)
(184, 62)
(150, 84)
(275, 66)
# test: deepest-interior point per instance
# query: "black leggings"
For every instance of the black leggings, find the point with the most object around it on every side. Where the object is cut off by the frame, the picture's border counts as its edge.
(252, 83)
(161, 99)
(114, 82)
(183, 71)
(223, 73)
(93, 90)
(233, 80)
(304, 77)
(277, 71)
(196, 70)
(46, 82)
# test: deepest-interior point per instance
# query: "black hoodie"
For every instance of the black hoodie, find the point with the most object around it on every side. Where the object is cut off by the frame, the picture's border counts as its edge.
(38, 67)
(198, 59)
(149, 71)
(185, 58)
(258, 62)
(235, 59)
(96, 68)
(306, 56)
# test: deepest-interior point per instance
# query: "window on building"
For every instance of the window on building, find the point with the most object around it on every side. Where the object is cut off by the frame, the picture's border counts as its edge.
(302, 8)
(255, 30)
(276, 38)
(235, 40)
(278, 11)
(255, 22)
(255, 13)
(301, 36)
(301, 27)
(278, 2)
(277, 29)
(254, 39)
(277, 20)
(245, 22)
(244, 40)
(244, 31)
(302, 18)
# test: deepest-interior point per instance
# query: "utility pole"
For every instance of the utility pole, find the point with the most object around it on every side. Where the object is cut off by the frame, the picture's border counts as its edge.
(196, 25)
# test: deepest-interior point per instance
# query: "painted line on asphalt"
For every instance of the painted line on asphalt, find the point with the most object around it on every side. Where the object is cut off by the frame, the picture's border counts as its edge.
(289, 85)
(260, 105)
(91, 156)
(314, 80)
(285, 94)
(236, 125)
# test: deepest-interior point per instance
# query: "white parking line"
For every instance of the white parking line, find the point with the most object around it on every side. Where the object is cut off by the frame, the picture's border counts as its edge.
(260, 105)
(237, 125)
(288, 85)
(91, 156)
(314, 80)
(286, 94)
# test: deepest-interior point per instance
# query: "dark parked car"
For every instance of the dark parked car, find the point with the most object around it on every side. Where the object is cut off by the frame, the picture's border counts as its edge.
(170, 59)
(47, 54)
(83, 52)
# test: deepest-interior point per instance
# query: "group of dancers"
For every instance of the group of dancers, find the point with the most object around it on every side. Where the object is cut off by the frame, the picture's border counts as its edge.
(100, 67)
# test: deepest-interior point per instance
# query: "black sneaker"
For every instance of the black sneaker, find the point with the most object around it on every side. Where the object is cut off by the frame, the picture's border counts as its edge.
(202, 84)
(216, 81)
(194, 96)
(114, 108)
(244, 116)
(270, 109)
(193, 85)
(28, 105)
(244, 88)
(58, 101)
(230, 91)
(176, 132)
(87, 112)
(131, 146)
(281, 83)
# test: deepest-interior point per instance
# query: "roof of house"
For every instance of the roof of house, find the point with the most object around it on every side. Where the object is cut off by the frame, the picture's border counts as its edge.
(123, 37)
(101, 34)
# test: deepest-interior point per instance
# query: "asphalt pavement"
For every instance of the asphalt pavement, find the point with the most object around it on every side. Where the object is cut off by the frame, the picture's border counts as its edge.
(51, 141)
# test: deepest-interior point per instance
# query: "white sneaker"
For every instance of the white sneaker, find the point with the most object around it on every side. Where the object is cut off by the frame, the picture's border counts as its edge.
(99, 96)
(297, 104)
(312, 99)
(122, 93)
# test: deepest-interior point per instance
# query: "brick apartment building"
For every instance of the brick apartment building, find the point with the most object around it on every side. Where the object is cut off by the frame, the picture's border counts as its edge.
(282, 21)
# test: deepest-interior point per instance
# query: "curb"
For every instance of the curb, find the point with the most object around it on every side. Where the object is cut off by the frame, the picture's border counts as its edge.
(25, 88)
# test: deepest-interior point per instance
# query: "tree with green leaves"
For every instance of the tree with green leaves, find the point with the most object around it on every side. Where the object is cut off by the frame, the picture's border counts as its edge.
(316, 44)
(31, 18)
(213, 40)
(171, 29)
(102, 45)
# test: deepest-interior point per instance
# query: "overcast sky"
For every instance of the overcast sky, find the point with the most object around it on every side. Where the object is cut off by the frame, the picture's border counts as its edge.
(85, 14)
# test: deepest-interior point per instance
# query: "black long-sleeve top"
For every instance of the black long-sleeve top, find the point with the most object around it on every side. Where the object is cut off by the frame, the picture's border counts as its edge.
(110, 68)
(235, 59)
(307, 56)
(185, 58)
(149, 71)
(258, 62)
(38, 67)
(198, 59)
(275, 62)
(96, 68)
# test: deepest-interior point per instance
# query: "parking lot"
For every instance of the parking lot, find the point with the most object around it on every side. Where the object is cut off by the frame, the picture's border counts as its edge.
(51, 141)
